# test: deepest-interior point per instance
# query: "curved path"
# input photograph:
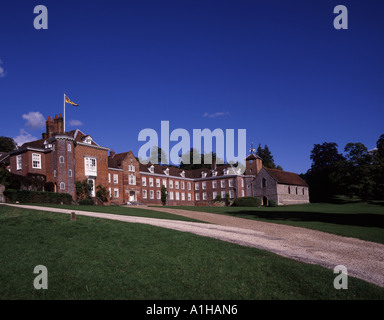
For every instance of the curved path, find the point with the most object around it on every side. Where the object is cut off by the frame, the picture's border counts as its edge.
(363, 259)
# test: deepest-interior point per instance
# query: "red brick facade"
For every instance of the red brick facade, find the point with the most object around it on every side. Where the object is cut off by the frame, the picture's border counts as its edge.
(65, 158)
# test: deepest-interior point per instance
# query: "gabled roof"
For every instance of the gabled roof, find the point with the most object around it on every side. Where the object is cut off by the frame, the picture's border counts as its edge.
(115, 161)
(285, 177)
(252, 157)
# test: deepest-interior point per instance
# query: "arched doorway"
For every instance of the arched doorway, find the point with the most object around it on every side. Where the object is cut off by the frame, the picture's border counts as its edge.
(265, 201)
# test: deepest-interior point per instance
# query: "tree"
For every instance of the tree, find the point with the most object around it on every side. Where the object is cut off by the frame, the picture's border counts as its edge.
(7, 144)
(191, 160)
(266, 155)
(163, 195)
(157, 155)
(83, 189)
(102, 193)
(324, 177)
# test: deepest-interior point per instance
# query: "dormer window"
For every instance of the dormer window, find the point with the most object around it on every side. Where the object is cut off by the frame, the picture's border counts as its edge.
(166, 171)
(183, 174)
(214, 173)
(225, 171)
(203, 174)
(87, 139)
(151, 169)
(47, 145)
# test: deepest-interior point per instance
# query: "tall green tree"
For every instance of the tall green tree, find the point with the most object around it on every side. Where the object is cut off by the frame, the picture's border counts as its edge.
(164, 195)
(7, 144)
(266, 155)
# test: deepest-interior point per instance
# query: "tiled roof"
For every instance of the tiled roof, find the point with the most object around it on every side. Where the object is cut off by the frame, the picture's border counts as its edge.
(285, 177)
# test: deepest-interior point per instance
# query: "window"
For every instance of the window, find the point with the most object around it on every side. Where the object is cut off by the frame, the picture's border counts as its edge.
(263, 183)
(115, 178)
(171, 195)
(303, 191)
(183, 196)
(182, 185)
(69, 147)
(231, 194)
(204, 196)
(61, 159)
(242, 193)
(116, 192)
(223, 194)
(189, 197)
(144, 194)
(144, 181)
(289, 189)
(19, 163)
(197, 187)
(197, 196)
(54, 173)
(230, 182)
(166, 171)
(171, 184)
(203, 174)
(109, 178)
(158, 194)
(110, 192)
(214, 195)
(214, 173)
(151, 169)
(69, 173)
(151, 194)
(158, 183)
(177, 196)
(131, 168)
(183, 174)
(165, 182)
(189, 185)
(242, 183)
(90, 166)
(132, 179)
(177, 184)
(222, 183)
(204, 185)
(214, 184)
(62, 185)
(296, 190)
(36, 160)
(151, 182)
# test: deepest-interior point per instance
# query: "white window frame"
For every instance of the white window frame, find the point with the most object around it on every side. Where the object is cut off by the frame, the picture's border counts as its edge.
(69, 147)
(231, 194)
(19, 162)
(197, 186)
(115, 192)
(62, 185)
(165, 182)
(189, 196)
(157, 183)
(144, 181)
(197, 196)
(176, 184)
(183, 196)
(69, 172)
(214, 184)
(222, 183)
(182, 185)
(230, 182)
(158, 194)
(115, 178)
(223, 194)
(151, 194)
(90, 165)
(109, 178)
(189, 185)
(171, 195)
(144, 194)
(214, 194)
(61, 159)
(36, 158)
(132, 179)
(204, 196)
(177, 196)
(171, 184)
(204, 185)
(151, 182)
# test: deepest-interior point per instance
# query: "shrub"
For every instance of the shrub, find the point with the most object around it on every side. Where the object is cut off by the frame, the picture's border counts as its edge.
(25, 196)
(102, 193)
(247, 202)
(272, 203)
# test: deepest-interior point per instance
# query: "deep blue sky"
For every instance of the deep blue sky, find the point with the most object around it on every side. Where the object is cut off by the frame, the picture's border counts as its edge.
(276, 68)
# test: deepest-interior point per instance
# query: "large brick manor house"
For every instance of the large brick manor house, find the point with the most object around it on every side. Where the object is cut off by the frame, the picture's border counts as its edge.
(67, 157)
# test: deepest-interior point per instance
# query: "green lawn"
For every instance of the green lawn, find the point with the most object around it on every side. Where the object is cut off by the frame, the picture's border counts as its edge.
(128, 211)
(352, 219)
(94, 258)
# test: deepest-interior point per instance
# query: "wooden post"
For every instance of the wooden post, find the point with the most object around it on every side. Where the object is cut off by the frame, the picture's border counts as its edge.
(73, 216)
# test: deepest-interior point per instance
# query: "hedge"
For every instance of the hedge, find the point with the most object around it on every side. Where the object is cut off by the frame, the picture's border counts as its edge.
(247, 202)
(24, 196)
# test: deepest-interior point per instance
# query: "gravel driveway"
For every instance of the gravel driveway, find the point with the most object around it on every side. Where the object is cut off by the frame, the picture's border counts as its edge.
(363, 259)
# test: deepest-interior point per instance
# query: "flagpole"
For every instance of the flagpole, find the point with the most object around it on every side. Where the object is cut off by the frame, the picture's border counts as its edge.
(64, 112)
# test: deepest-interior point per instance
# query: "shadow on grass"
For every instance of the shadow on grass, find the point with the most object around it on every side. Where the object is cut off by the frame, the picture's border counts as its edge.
(353, 219)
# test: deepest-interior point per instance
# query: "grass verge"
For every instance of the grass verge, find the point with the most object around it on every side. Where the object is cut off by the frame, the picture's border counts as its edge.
(103, 259)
